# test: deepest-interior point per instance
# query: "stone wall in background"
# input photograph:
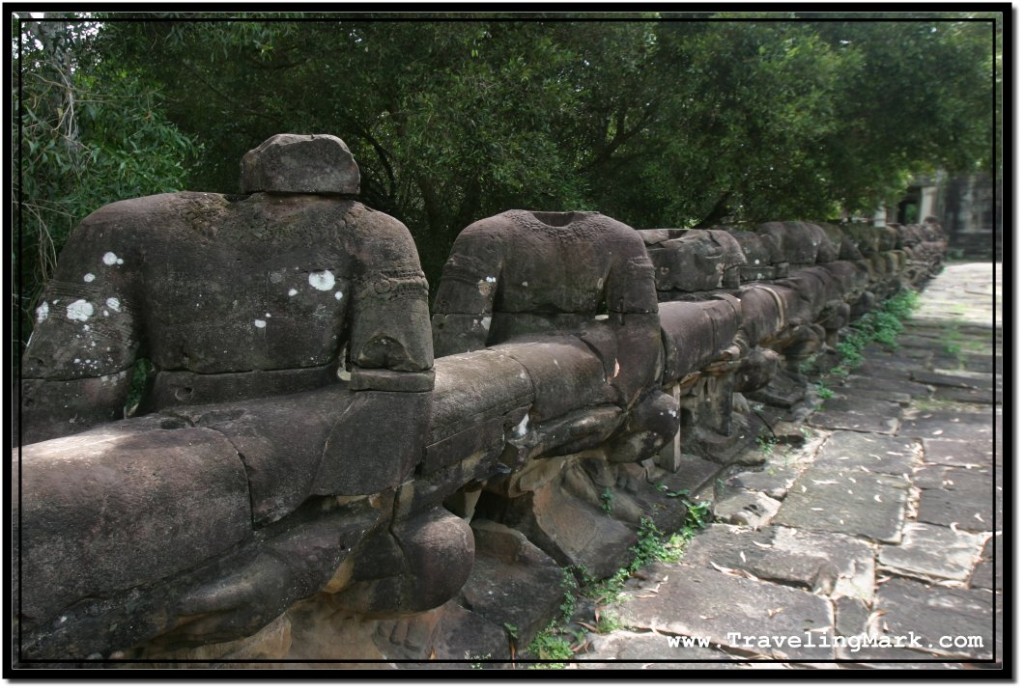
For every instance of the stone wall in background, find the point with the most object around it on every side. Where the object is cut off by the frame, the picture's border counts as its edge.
(303, 480)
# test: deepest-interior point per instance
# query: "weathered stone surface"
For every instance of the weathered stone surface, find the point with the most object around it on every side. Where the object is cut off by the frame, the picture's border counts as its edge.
(87, 500)
(988, 573)
(976, 427)
(227, 288)
(699, 601)
(300, 164)
(272, 642)
(938, 379)
(856, 422)
(464, 395)
(851, 616)
(860, 382)
(692, 260)
(565, 527)
(568, 268)
(964, 498)
(932, 552)
(752, 509)
(871, 452)
(844, 403)
(626, 645)
(851, 501)
(774, 482)
(695, 332)
(513, 582)
(932, 612)
(779, 555)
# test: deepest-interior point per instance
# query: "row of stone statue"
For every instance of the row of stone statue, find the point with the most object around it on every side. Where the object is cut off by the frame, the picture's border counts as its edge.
(298, 443)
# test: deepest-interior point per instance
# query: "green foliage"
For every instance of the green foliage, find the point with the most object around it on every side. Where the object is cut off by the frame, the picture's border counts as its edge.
(882, 325)
(766, 443)
(569, 588)
(661, 120)
(89, 131)
(607, 497)
(550, 645)
(655, 121)
(824, 392)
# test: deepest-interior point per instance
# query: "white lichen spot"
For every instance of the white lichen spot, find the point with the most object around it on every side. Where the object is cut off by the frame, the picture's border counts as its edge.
(601, 317)
(260, 324)
(77, 360)
(292, 292)
(106, 313)
(491, 279)
(520, 430)
(85, 327)
(79, 310)
(268, 315)
(42, 312)
(526, 284)
(114, 304)
(486, 322)
(756, 262)
(616, 372)
(110, 259)
(89, 278)
(321, 280)
(338, 295)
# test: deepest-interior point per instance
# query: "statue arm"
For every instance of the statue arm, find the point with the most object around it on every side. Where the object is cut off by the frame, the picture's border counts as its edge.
(632, 301)
(390, 346)
(76, 370)
(466, 295)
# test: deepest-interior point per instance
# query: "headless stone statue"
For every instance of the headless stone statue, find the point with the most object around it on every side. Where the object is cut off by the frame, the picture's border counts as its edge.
(282, 290)
(568, 295)
(289, 333)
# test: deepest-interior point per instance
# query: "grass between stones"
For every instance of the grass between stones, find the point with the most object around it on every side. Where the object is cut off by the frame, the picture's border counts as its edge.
(560, 641)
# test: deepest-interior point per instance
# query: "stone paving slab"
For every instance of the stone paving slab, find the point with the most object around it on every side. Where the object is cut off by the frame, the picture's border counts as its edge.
(890, 527)
(988, 573)
(868, 452)
(938, 379)
(752, 509)
(933, 611)
(852, 501)
(818, 562)
(627, 645)
(855, 422)
(701, 601)
(952, 425)
(968, 497)
(862, 405)
(856, 381)
(870, 394)
(774, 482)
(980, 396)
(958, 452)
(930, 551)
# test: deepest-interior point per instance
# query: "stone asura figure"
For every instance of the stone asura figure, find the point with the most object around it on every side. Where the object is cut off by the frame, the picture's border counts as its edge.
(563, 292)
(230, 297)
(289, 333)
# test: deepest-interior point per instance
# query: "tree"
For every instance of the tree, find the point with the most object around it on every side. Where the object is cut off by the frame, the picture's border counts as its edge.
(671, 120)
(87, 132)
